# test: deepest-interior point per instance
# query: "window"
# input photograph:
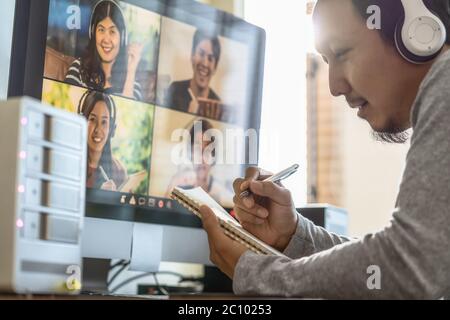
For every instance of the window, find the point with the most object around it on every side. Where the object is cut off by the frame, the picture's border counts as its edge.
(283, 127)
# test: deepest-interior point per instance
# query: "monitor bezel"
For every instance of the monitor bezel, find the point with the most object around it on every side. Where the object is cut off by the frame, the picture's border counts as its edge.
(27, 70)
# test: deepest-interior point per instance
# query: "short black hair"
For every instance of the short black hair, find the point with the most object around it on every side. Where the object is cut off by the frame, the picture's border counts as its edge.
(201, 35)
(392, 9)
(204, 125)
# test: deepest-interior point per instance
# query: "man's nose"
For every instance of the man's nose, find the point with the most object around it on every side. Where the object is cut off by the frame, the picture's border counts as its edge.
(338, 83)
(205, 61)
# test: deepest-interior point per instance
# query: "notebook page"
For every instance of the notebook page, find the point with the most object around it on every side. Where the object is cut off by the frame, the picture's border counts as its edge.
(198, 195)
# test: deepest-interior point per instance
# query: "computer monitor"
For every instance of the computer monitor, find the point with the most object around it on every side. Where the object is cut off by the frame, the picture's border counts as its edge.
(157, 81)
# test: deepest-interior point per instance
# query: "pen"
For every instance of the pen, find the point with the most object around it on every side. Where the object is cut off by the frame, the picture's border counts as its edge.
(192, 95)
(275, 178)
(102, 171)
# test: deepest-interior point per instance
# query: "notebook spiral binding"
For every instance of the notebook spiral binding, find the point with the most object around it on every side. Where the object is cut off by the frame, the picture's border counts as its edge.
(228, 230)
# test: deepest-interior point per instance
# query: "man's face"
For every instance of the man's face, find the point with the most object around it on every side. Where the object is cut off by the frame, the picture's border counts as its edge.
(203, 64)
(107, 37)
(364, 68)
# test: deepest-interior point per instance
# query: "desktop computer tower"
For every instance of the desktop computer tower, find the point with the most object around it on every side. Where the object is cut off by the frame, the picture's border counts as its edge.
(215, 281)
(332, 218)
(42, 183)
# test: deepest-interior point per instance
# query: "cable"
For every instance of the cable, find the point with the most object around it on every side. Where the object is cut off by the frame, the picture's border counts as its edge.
(161, 289)
(118, 263)
(120, 285)
(170, 273)
(123, 283)
(118, 273)
(192, 279)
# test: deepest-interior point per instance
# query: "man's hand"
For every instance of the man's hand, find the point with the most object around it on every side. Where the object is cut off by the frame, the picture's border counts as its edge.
(224, 252)
(269, 212)
(193, 106)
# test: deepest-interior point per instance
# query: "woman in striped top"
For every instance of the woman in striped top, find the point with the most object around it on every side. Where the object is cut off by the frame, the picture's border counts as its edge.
(110, 64)
(104, 171)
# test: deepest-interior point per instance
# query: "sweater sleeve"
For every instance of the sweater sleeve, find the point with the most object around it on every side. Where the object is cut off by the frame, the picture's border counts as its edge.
(309, 239)
(411, 254)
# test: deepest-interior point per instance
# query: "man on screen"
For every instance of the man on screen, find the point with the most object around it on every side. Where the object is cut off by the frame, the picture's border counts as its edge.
(195, 95)
(199, 172)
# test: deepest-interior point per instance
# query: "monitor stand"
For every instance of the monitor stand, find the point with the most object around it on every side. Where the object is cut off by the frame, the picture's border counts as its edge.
(95, 275)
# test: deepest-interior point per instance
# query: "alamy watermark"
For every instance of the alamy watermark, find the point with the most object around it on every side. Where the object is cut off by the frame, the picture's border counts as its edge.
(202, 145)
(374, 20)
(374, 280)
(73, 281)
(73, 22)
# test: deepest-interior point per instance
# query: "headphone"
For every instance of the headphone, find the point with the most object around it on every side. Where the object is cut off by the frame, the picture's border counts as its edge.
(123, 33)
(420, 35)
(89, 94)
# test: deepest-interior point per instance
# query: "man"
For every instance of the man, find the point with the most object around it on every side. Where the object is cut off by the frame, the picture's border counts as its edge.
(189, 94)
(411, 256)
(200, 170)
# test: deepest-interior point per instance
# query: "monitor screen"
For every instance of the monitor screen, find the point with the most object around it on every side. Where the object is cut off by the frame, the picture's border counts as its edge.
(170, 90)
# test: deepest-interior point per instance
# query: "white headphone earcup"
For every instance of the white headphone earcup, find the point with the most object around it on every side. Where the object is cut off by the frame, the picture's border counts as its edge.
(420, 35)
(424, 36)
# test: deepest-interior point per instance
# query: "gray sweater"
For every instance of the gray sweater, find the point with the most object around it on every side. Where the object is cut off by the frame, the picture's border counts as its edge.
(412, 254)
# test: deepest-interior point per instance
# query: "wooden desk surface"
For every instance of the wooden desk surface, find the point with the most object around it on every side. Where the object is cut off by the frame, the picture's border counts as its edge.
(219, 296)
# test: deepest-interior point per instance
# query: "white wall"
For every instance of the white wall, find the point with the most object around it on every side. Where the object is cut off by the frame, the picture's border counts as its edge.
(6, 26)
(372, 173)
(283, 122)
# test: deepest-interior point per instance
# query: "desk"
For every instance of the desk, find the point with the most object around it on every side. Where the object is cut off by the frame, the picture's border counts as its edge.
(185, 297)
(68, 297)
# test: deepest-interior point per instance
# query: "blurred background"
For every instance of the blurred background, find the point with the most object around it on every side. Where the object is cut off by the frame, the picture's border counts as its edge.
(301, 123)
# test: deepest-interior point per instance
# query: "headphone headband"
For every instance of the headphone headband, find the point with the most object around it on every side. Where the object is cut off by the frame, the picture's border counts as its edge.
(123, 33)
(420, 34)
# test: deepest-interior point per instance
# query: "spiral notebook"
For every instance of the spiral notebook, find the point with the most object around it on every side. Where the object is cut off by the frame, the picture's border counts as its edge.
(193, 199)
